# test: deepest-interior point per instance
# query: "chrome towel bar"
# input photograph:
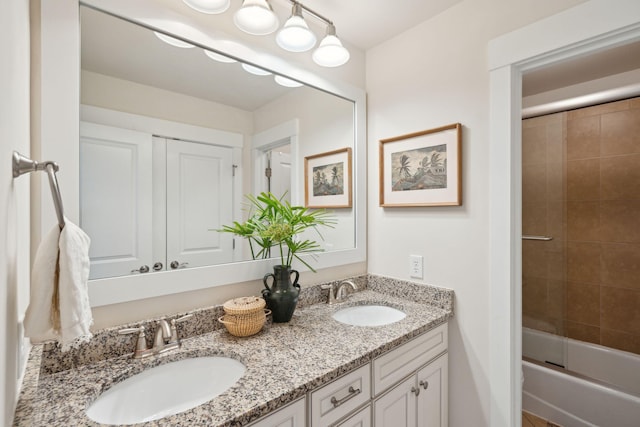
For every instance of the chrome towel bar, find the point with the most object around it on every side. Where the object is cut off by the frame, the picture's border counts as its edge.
(543, 238)
(23, 164)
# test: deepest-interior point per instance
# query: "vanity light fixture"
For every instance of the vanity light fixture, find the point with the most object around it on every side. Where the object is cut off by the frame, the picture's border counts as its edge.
(283, 81)
(295, 35)
(255, 70)
(211, 7)
(173, 41)
(256, 17)
(330, 53)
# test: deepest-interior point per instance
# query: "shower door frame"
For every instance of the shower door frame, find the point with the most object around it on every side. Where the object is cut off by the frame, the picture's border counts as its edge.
(554, 39)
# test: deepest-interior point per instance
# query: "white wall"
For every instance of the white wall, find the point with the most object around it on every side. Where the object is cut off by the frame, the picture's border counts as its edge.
(14, 195)
(432, 75)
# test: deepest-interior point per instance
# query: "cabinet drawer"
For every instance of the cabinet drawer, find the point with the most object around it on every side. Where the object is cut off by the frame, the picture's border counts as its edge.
(292, 415)
(393, 366)
(337, 399)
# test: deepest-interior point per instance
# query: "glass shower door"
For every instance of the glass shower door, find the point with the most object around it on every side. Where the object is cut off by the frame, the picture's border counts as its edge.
(544, 248)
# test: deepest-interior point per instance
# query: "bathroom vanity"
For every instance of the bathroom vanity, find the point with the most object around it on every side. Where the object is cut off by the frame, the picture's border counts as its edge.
(312, 371)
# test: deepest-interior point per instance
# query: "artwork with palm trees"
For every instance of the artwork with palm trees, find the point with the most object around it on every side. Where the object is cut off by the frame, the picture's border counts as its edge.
(328, 180)
(420, 169)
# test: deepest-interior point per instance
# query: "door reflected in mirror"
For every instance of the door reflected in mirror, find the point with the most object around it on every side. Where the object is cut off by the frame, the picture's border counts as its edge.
(171, 141)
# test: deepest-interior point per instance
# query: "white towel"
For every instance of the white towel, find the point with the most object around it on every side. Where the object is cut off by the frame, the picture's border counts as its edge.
(71, 245)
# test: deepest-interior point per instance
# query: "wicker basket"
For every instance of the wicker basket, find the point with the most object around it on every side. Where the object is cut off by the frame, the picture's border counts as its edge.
(244, 316)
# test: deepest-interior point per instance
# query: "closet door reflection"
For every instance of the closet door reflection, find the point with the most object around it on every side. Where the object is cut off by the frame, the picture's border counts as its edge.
(115, 198)
(199, 191)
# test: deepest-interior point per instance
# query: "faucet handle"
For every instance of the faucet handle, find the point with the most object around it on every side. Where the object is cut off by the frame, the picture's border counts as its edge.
(174, 331)
(332, 292)
(141, 343)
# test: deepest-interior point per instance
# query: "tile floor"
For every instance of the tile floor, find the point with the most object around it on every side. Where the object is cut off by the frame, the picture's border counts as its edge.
(530, 420)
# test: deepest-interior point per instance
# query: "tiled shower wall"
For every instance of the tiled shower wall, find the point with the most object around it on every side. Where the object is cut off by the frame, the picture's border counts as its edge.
(586, 282)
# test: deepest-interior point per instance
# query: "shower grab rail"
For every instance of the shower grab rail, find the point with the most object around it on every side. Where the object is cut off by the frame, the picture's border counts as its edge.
(23, 164)
(543, 238)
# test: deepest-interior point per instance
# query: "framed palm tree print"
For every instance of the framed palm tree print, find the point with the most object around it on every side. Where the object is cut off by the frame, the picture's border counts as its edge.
(328, 179)
(422, 168)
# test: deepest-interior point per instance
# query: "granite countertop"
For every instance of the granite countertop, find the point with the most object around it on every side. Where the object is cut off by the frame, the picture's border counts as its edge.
(283, 362)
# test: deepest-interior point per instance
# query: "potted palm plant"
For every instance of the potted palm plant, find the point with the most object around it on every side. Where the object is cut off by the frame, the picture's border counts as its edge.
(274, 225)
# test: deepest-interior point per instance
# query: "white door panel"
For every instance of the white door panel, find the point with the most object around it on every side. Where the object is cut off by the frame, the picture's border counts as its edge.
(199, 190)
(115, 198)
(281, 175)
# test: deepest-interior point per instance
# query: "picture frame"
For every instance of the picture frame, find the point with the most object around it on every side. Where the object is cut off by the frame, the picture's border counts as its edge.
(422, 168)
(328, 180)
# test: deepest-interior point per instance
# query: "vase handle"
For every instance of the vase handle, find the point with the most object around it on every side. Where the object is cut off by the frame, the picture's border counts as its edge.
(264, 280)
(295, 281)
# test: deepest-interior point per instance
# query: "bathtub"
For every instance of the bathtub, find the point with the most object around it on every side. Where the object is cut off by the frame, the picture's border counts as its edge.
(599, 387)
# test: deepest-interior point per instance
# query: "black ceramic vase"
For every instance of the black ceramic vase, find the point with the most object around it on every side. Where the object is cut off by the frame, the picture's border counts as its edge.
(282, 296)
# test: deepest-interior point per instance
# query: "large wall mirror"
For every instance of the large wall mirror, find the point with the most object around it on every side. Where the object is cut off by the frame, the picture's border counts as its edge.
(172, 138)
(172, 135)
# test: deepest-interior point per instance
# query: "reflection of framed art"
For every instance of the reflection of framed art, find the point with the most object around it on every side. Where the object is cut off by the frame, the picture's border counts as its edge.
(327, 178)
(422, 168)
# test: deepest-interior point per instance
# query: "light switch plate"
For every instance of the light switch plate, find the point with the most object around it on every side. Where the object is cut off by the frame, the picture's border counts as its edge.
(415, 266)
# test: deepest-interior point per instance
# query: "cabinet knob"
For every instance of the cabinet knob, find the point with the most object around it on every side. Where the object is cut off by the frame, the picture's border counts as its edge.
(424, 384)
(415, 390)
(175, 264)
(143, 269)
(158, 266)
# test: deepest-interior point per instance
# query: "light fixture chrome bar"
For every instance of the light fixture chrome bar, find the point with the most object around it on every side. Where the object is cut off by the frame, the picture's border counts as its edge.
(312, 12)
(543, 238)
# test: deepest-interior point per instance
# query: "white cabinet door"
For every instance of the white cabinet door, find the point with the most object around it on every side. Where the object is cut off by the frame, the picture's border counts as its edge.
(360, 419)
(292, 415)
(397, 408)
(433, 397)
(115, 198)
(199, 188)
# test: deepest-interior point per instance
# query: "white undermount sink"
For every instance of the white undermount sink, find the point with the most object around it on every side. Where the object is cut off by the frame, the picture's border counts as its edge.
(166, 390)
(369, 315)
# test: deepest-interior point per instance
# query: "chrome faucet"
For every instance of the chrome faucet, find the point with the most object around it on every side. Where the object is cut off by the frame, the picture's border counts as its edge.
(339, 293)
(165, 339)
(162, 337)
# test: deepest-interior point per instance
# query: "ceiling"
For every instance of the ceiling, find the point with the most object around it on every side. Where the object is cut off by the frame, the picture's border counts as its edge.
(107, 48)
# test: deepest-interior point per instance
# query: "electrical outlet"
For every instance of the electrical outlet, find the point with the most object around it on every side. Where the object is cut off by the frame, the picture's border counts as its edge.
(415, 266)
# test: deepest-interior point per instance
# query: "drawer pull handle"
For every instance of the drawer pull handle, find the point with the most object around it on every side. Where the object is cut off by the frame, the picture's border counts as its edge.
(353, 392)
(415, 390)
(424, 384)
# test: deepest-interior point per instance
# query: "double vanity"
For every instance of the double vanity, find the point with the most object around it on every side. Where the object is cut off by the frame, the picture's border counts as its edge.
(314, 370)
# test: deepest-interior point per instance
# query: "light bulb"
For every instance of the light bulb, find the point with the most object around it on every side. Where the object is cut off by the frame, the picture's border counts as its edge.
(283, 81)
(218, 57)
(330, 53)
(255, 70)
(256, 17)
(210, 7)
(295, 35)
(173, 41)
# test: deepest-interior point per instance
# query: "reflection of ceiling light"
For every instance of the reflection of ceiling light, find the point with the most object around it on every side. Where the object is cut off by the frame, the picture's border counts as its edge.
(256, 17)
(211, 7)
(283, 81)
(330, 53)
(295, 35)
(172, 40)
(218, 57)
(255, 70)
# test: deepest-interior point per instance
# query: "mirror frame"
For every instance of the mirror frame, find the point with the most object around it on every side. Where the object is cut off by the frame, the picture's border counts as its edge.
(57, 138)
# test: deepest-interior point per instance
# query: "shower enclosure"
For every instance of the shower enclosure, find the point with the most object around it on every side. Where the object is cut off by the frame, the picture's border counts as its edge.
(581, 263)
